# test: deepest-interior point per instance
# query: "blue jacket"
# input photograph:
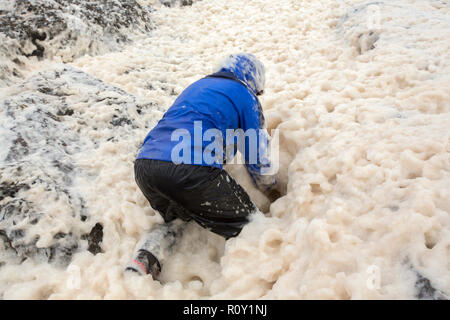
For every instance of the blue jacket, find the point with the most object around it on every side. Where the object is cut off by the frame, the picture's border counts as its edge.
(220, 101)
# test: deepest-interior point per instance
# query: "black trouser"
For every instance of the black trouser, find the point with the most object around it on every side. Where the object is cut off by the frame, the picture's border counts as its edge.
(208, 195)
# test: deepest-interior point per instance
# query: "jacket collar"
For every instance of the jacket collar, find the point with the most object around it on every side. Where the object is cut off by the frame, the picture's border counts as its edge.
(232, 76)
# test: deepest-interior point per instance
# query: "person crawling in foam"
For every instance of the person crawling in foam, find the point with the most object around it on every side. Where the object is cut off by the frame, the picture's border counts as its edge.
(185, 180)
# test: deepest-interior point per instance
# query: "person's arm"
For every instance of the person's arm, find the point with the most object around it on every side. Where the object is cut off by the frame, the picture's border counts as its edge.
(257, 148)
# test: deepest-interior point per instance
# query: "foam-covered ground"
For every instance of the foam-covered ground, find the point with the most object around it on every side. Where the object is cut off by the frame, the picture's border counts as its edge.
(359, 92)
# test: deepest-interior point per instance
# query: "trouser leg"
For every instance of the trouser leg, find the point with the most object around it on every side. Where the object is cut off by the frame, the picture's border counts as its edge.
(155, 247)
(162, 238)
(208, 195)
(156, 244)
(219, 204)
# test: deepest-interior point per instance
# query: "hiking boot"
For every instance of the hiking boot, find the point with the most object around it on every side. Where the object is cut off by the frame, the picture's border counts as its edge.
(145, 263)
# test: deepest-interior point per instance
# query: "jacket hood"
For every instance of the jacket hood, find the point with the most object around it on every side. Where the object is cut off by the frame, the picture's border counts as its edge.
(247, 68)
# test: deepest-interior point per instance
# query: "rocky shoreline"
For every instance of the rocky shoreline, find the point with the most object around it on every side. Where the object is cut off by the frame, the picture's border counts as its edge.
(43, 149)
(40, 145)
(65, 29)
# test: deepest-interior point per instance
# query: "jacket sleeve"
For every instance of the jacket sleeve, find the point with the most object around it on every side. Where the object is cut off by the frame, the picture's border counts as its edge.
(257, 146)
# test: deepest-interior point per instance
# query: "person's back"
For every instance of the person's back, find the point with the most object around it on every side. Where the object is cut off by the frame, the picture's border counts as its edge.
(214, 103)
(179, 166)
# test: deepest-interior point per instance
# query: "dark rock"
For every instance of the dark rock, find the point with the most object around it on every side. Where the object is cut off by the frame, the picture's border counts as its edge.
(118, 122)
(47, 21)
(59, 235)
(10, 189)
(15, 211)
(66, 112)
(425, 288)
(63, 167)
(94, 239)
(61, 252)
(42, 138)
(65, 28)
(39, 51)
(173, 3)
(426, 291)
(6, 240)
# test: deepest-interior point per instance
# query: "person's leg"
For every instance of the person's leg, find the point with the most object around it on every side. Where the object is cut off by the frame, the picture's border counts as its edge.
(154, 246)
(143, 173)
(218, 204)
(206, 194)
